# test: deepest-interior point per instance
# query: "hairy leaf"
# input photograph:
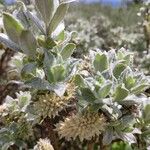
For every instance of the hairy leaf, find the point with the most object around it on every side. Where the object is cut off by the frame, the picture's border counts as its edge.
(12, 26)
(104, 91)
(36, 21)
(28, 43)
(121, 93)
(9, 43)
(101, 62)
(46, 9)
(39, 84)
(67, 51)
(58, 17)
(88, 95)
(119, 68)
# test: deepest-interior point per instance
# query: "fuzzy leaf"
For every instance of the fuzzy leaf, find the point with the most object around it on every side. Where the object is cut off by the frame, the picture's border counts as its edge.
(36, 21)
(79, 80)
(58, 72)
(23, 103)
(49, 43)
(28, 43)
(58, 17)
(46, 9)
(28, 69)
(101, 62)
(59, 31)
(48, 62)
(140, 88)
(68, 51)
(129, 82)
(119, 68)
(121, 93)
(128, 137)
(12, 26)
(87, 95)
(39, 84)
(7, 42)
(104, 91)
(60, 89)
(108, 136)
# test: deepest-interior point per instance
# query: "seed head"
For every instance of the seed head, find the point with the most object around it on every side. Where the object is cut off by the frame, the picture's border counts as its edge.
(50, 104)
(43, 144)
(83, 126)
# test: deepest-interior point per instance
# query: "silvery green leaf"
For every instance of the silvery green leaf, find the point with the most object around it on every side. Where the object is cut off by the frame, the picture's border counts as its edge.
(58, 17)
(71, 69)
(108, 110)
(40, 73)
(108, 136)
(46, 9)
(23, 100)
(104, 90)
(87, 95)
(128, 59)
(116, 112)
(12, 26)
(68, 51)
(106, 74)
(140, 88)
(49, 43)
(60, 36)
(28, 68)
(79, 80)
(39, 84)
(36, 21)
(136, 131)
(118, 69)
(21, 15)
(60, 89)
(112, 111)
(56, 4)
(101, 62)
(58, 72)
(127, 120)
(127, 137)
(28, 43)
(49, 60)
(129, 82)
(9, 43)
(120, 54)
(107, 101)
(59, 30)
(120, 93)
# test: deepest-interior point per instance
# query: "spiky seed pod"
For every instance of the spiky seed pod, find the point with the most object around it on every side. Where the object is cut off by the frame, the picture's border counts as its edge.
(83, 126)
(50, 104)
(43, 144)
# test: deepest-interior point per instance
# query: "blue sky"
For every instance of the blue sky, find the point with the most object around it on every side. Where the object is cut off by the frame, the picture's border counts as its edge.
(111, 2)
(104, 1)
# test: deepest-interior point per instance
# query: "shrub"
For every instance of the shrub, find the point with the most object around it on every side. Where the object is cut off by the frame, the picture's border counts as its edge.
(69, 103)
